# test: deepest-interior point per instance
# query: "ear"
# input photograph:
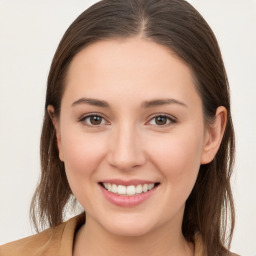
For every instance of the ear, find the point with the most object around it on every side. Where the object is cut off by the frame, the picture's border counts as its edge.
(213, 135)
(55, 122)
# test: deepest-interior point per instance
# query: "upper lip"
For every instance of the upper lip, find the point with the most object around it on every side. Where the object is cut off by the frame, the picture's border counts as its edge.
(127, 182)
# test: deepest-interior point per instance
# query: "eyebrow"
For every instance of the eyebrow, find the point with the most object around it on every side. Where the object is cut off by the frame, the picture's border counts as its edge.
(160, 102)
(145, 104)
(93, 102)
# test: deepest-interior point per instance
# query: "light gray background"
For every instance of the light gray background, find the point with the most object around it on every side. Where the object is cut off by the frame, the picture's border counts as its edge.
(29, 34)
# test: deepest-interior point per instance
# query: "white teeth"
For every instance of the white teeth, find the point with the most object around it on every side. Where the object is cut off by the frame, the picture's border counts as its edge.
(121, 190)
(128, 190)
(138, 189)
(145, 188)
(150, 186)
(109, 187)
(114, 188)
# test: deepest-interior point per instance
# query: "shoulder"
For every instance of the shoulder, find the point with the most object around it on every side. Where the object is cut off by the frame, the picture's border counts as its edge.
(48, 242)
(34, 245)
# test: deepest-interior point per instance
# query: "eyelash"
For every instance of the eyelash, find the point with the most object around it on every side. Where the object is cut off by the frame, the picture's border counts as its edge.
(171, 120)
(83, 118)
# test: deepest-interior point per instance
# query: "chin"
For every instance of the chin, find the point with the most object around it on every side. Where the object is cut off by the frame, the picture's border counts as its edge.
(129, 227)
(129, 231)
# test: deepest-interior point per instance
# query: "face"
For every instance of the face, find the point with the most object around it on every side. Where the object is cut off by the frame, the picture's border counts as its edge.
(131, 134)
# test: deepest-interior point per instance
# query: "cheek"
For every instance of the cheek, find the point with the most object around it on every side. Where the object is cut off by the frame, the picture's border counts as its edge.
(178, 157)
(82, 152)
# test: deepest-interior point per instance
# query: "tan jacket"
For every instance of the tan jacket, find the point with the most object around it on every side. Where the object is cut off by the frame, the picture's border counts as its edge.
(57, 241)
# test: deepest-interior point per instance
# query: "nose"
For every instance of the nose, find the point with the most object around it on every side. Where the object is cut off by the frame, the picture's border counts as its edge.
(126, 150)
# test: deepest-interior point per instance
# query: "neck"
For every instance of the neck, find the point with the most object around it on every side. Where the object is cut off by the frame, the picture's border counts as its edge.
(92, 239)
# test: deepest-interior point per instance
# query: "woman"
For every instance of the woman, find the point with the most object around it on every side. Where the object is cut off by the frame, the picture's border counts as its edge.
(138, 129)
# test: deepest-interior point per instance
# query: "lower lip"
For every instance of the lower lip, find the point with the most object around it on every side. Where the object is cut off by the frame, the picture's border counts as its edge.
(127, 201)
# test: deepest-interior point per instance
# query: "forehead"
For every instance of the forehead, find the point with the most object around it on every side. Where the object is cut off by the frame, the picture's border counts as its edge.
(128, 66)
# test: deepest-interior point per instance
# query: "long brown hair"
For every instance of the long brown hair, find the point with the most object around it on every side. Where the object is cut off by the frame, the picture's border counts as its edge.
(178, 26)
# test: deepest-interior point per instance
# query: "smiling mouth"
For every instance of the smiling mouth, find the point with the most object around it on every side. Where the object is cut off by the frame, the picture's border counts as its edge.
(130, 190)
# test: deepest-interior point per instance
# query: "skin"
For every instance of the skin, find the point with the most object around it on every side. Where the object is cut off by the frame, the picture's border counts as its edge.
(129, 143)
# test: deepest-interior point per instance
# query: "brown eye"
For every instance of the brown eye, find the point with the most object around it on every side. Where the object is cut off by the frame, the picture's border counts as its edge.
(161, 120)
(93, 120)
